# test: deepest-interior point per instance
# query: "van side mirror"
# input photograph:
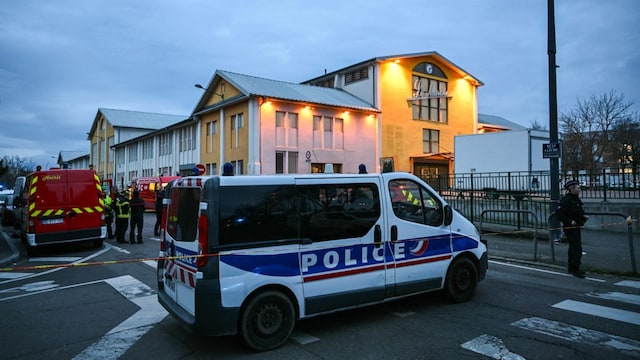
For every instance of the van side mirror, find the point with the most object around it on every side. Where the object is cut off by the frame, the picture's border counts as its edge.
(448, 215)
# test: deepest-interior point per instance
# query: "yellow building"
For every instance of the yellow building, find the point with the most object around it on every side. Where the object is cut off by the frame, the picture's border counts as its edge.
(424, 99)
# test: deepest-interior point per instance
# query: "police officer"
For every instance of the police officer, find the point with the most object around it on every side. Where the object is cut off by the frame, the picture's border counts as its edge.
(137, 218)
(571, 214)
(156, 227)
(108, 213)
(123, 212)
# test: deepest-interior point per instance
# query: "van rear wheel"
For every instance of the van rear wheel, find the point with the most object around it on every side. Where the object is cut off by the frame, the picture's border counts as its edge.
(267, 321)
(462, 280)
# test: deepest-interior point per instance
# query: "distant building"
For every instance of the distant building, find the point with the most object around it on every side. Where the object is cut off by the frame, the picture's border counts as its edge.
(73, 159)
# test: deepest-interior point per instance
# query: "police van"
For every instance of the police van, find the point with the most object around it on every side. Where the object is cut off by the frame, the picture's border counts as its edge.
(250, 255)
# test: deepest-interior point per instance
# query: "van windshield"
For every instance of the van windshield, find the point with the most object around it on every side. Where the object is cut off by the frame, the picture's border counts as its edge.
(182, 216)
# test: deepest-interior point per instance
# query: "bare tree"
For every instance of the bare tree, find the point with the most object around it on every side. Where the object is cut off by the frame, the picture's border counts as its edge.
(15, 166)
(587, 130)
(535, 125)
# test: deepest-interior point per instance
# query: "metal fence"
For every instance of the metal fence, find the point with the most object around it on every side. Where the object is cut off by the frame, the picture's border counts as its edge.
(525, 192)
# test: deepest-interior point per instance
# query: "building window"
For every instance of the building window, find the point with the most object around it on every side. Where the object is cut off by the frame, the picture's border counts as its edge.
(430, 141)
(133, 152)
(286, 160)
(187, 138)
(286, 129)
(212, 129)
(429, 99)
(120, 157)
(328, 132)
(236, 123)
(164, 144)
(356, 75)
(147, 149)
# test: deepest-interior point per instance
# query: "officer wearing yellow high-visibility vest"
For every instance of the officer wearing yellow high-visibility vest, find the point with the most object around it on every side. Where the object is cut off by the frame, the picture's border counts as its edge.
(108, 213)
(123, 213)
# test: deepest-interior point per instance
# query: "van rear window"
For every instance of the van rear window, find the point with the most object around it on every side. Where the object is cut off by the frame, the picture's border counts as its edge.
(182, 216)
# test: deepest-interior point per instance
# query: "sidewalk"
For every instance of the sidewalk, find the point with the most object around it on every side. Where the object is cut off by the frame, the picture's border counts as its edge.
(605, 252)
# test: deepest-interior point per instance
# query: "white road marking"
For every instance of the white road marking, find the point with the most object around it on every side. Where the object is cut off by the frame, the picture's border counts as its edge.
(152, 263)
(106, 248)
(13, 275)
(302, 338)
(119, 339)
(599, 311)
(580, 335)
(540, 270)
(492, 347)
(65, 259)
(617, 296)
(629, 283)
(403, 314)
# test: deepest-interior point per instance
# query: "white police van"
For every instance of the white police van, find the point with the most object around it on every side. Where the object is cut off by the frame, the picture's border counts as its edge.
(252, 254)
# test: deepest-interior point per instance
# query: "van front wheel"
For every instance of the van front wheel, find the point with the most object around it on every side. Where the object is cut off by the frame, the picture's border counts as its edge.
(267, 321)
(462, 280)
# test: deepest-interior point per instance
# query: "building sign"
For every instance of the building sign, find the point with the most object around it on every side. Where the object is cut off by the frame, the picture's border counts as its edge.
(551, 151)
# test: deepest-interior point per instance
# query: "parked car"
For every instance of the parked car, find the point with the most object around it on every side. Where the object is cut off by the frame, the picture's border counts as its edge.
(7, 216)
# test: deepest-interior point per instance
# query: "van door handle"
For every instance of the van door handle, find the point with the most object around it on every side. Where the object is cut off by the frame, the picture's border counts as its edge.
(71, 214)
(377, 236)
(394, 234)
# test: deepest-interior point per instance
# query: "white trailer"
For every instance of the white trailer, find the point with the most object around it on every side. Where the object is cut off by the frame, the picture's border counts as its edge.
(506, 161)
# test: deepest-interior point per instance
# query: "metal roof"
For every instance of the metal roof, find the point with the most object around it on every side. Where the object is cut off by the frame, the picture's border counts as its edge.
(499, 122)
(138, 119)
(256, 86)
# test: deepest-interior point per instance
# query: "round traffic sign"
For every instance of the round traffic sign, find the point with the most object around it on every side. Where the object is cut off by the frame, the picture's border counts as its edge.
(201, 169)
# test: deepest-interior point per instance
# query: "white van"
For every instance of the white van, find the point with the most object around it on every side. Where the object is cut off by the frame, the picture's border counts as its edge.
(252, 254)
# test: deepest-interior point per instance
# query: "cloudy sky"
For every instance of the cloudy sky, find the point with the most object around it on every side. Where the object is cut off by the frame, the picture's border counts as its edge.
(62, 60)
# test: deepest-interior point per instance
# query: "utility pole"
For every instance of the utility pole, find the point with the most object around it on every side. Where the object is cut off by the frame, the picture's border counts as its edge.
(554, 170)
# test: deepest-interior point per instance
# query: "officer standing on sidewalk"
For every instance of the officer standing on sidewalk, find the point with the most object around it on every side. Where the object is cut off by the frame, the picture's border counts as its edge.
(571, 214)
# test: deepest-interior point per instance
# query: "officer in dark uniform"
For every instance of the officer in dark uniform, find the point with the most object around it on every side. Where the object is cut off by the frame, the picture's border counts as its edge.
(159, 198)
(571, 214)
(137, 218)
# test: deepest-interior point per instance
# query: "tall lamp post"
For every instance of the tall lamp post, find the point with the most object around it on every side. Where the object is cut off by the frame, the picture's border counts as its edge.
(554, 167)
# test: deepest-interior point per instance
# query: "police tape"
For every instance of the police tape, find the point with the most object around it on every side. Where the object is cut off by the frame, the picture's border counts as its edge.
(94, 263)
(628, 221)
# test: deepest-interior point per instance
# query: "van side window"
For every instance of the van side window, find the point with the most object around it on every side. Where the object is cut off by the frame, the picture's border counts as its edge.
(257, 214)
(182, 216)
(412, 202)
(337, 211)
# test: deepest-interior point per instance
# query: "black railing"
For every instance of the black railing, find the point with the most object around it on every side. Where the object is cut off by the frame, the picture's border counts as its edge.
(473, 193)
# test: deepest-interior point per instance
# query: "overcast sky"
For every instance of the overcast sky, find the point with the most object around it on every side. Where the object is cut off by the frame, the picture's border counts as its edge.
(62, 60)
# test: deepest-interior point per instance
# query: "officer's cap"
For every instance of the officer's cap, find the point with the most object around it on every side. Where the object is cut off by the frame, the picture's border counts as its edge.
(571, 183)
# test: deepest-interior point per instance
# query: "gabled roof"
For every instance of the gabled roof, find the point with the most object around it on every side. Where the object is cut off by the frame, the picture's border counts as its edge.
(255, 86)
(499, 122)
(67, 155)
(434, 54)
(136, 119)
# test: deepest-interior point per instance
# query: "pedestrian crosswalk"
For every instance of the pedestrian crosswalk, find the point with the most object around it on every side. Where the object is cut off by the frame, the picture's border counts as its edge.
(614, 306)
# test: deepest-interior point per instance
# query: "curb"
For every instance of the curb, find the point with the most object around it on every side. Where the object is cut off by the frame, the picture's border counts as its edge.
(15, 253)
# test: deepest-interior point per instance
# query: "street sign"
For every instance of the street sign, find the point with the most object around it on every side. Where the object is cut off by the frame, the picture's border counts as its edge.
(551, 151)
(201, 169)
